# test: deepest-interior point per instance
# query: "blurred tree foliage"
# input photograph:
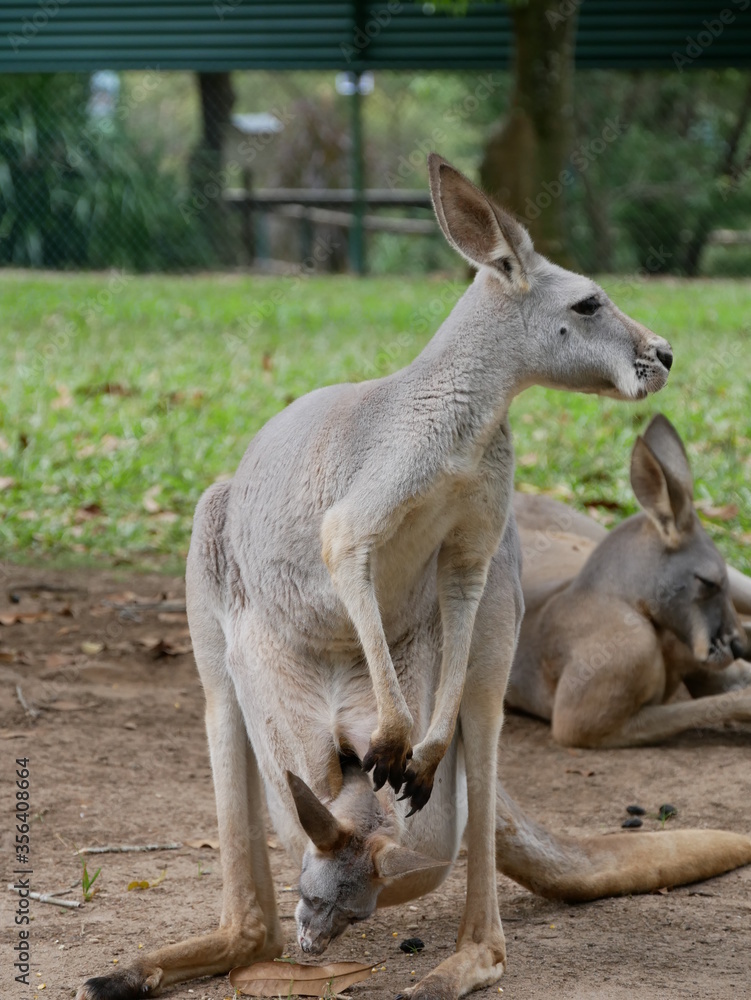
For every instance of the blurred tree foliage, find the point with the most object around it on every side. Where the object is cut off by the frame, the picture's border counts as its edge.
(658, 161)
(79, 192)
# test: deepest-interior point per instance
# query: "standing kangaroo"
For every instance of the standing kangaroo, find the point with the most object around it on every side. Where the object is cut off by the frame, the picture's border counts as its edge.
(615, 621)
(358, 568)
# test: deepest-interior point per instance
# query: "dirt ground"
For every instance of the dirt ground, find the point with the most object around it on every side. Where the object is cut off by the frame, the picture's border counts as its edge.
(114, 732)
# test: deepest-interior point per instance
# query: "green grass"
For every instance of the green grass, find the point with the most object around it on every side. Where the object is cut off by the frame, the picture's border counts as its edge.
(121, 399)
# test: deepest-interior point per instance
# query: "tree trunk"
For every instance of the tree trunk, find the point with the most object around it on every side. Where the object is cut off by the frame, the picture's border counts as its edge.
(206, 171)
(525, 160)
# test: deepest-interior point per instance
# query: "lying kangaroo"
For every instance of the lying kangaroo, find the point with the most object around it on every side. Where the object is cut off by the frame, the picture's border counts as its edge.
(615, 621)
(360, 564)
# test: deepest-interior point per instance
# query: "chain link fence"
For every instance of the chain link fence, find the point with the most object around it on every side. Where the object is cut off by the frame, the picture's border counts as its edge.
(150, 171)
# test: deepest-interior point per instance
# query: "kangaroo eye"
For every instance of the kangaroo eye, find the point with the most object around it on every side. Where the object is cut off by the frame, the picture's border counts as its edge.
(587, 307)
(710, 586)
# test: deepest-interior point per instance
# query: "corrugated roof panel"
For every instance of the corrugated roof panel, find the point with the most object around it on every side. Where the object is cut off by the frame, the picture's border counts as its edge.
(45, 35)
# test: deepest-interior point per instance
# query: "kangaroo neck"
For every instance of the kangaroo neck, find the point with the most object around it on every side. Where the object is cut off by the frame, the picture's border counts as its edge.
(472, 367)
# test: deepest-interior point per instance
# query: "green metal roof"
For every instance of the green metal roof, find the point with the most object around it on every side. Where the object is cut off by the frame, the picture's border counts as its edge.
(81, 35)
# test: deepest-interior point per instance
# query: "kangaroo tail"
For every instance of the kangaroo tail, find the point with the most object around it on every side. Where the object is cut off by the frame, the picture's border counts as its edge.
(577, 870)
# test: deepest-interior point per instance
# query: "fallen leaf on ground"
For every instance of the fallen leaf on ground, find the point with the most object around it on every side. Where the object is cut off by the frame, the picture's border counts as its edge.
(143, 884)
(54, 661)
(166, 647)
(172, 617)
(4, 735)
(272, 979)
(724, 513)
(7, 656)
(576, 770)
(92, 648)
(203, 842)
(87, 512)
(6, 482)
(71, 706)
(63, 400)
(25, 618)
(150, 504)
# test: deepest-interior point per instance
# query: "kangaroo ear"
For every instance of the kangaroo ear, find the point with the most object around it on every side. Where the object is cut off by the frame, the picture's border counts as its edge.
(663, 496)
(321, 826)
(393, 861)
(668, 449)
(481, 231)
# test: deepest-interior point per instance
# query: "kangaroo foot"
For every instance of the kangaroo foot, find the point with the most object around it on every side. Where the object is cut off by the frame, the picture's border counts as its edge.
(471, 968)
(133, 983)
(387, 757)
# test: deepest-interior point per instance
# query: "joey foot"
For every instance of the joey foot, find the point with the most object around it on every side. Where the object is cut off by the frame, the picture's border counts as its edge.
(387, 757)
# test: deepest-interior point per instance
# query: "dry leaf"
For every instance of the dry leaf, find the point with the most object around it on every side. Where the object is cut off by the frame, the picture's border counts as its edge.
(25, 617)
(5, 735)
(725, 513)
(203, 842)
(92, 648)
(67, 629)
(143, 884)
(576, 770)
(7, 656)
(63, 400)
(54, 661)
(71, 706)
(149, 501)
(172, 617)
(6, 482)
(166, 647)
(273, 979)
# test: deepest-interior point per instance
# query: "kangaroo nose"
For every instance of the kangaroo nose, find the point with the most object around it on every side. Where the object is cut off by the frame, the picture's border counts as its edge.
(665, 357)
(738, 648)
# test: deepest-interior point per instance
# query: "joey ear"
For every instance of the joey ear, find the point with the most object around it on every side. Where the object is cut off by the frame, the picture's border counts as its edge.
(317, 821)
(481, 231)
(393, 861)
(662, 497)
(668, 449)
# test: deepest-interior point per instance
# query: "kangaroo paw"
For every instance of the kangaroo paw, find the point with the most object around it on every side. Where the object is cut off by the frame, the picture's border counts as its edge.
(125, 984)
(418, 781)
(387, 758)
(417, 788)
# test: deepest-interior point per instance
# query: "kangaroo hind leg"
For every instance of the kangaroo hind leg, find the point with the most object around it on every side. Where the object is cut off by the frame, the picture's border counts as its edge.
(249, 928)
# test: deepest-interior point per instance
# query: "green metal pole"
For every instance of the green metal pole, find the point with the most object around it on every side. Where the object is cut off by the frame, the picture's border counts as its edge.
(356, 233)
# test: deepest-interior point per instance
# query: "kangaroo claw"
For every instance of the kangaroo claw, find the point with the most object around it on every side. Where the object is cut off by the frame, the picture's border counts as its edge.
(388, 761)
